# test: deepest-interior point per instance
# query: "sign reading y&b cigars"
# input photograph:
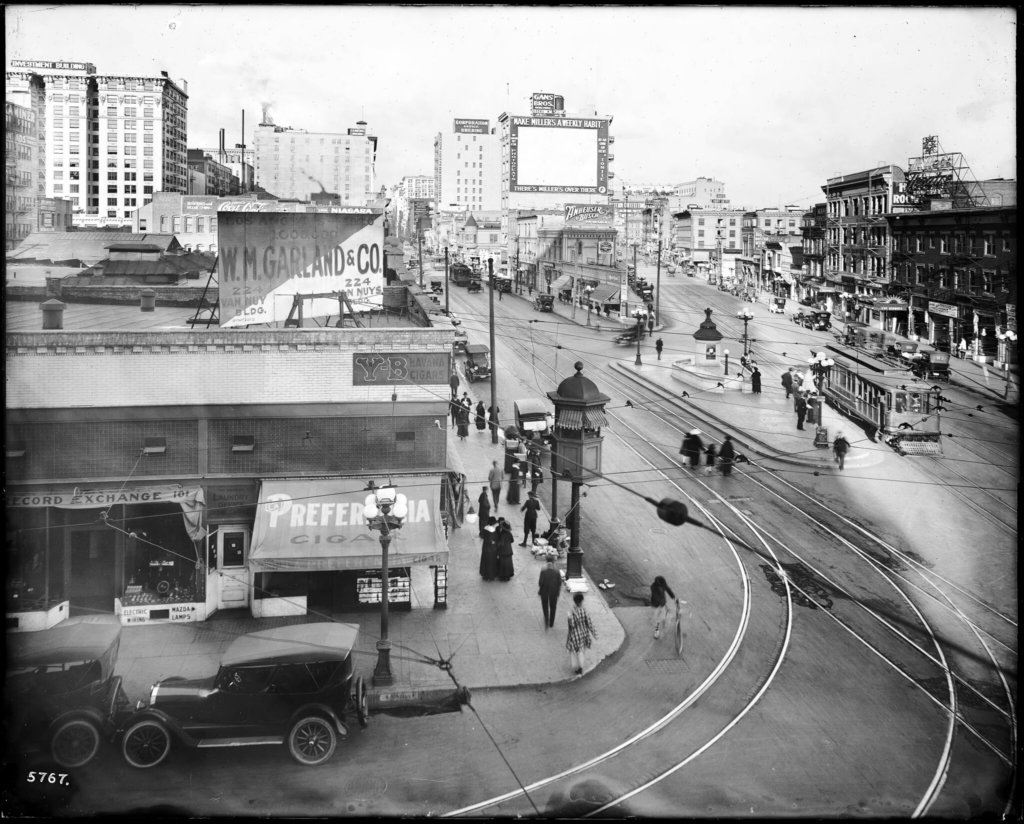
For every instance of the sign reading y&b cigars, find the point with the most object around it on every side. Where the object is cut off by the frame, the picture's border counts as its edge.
(380, 368)
(266, 258)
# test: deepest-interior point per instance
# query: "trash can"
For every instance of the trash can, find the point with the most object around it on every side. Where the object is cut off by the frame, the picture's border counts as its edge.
(821, 437)
(53, 314)
(147, 300)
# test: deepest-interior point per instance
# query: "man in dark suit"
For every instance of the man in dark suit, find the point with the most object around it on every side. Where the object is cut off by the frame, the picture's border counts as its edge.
(548, 587)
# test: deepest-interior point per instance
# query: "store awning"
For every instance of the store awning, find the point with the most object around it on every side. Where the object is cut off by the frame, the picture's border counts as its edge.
(576, 418)
(560, 283)
(608, 295)
(318, 525)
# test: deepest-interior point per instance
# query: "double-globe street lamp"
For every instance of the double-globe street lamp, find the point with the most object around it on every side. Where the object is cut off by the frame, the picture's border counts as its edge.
(588, 291)
(746, 316)
(639, 333)
(385, 509)
(821, 368)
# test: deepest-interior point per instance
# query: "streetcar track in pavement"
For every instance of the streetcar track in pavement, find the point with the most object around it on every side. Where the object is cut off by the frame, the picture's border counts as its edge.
(955, 717)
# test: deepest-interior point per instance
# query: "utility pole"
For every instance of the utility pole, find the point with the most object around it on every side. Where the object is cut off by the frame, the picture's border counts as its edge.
(494, 355)
(447, 311)
(657, 290)
(419, 240)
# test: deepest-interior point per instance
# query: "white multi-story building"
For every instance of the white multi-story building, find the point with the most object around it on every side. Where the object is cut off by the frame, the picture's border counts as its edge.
(294, 164)
(109, 141)
(467, 167)
(411, 190)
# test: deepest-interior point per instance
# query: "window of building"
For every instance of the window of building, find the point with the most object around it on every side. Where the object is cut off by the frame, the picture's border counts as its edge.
(147, 190)
(111, 175)
(74, 188)
(931, 240)
(163, 224)
(918, 244)
(58, 187)
(988, 244)
(111, 201)
(944, 244)
(176, 224)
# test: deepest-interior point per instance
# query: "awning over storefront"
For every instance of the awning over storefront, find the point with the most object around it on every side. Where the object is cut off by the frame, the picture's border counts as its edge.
(575, 419)
(608, 295)
(560, 283)
(319, 525)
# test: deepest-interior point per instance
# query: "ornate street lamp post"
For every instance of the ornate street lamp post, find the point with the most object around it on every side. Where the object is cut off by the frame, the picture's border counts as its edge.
(821, 369)
(639, 332)
(746, 316)
(385, 509)
(588, 291)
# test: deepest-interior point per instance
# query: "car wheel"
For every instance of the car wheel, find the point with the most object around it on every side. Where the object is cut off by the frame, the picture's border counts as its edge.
(359, 696)
(75, 742)
(146, 743)
(312, 740)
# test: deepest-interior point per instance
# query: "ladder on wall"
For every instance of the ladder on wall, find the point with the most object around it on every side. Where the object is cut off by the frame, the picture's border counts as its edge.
(205, 306)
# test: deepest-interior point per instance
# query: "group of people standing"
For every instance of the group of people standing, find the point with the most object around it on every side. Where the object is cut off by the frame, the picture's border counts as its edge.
(462, 411)
(723, 457)
(496, 551)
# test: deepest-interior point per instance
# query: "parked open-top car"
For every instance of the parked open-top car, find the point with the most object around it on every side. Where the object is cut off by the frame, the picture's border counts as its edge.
(544, 303)
(289, 685)
(61, 693)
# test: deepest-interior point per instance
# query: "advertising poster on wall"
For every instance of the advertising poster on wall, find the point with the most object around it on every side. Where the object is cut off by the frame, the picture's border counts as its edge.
(266, 258)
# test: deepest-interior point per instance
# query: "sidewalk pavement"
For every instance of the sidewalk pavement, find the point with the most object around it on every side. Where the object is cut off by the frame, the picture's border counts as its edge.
(491, 634)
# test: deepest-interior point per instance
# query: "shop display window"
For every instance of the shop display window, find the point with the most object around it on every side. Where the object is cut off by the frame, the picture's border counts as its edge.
(161, 564)
(27, 571)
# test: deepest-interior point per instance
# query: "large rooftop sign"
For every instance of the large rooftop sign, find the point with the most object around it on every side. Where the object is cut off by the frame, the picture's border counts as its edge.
(266, 258)
(558, 154)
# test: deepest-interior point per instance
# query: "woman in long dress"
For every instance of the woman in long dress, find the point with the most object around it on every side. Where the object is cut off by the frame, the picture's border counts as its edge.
(463, 423)
(481, 416)
(489, 551)
(505, 540)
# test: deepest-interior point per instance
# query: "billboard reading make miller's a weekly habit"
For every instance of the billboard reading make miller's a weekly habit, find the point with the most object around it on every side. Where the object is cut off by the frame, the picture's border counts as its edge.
(266, 258)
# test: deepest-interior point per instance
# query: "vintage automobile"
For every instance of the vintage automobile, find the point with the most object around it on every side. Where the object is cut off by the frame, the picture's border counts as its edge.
(478, 362)
(61, 692)
(533, 418)
(289, 685)
(928, 364)
(474, 285)
(501, 284)
(437, 285)
(777, 305)
(627, 335)
(819, 320)
(544, 303)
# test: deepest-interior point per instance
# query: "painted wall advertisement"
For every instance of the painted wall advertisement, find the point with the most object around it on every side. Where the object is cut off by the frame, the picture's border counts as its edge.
(266, 258)
(589, 213)
(464, 125)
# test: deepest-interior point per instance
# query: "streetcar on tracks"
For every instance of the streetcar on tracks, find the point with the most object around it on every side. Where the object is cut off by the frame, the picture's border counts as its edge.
(891, 402)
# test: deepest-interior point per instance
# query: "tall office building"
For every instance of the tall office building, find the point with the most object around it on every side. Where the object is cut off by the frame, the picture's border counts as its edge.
(467, 167)
(108, 141)
(23, 181)
(294, 164)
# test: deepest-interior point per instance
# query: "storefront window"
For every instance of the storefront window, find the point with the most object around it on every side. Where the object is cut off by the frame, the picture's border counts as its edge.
(161, 562)
(26, 562)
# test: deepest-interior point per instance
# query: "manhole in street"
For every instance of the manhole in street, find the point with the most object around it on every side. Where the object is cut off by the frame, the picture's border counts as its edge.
(366, 788)
(666, 666)
(657, 530)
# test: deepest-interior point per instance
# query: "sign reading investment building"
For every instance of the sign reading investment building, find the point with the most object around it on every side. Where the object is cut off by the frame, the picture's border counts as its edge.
(567, 155)
(266, 258)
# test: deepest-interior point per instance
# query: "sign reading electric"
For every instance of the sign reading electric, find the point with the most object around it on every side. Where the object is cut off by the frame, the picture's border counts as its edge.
(567, 155)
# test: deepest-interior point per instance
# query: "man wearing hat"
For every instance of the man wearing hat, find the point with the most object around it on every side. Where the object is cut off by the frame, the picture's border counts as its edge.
(548, 587)
(531, 508)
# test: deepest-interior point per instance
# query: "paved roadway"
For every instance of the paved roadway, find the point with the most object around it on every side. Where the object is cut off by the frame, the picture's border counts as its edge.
(790, 698)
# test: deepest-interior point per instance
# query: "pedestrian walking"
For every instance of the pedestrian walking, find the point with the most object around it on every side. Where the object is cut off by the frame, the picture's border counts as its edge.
(489, 550)
(961, 349)
(481, 417)
(492, 417)
(549, 585)
(454, 407)
(466, 402)
(691, 449)
(726, 455)
(659, 590)
(658, 346)
(711, 454)
(787, 382)
(514, 477)
(581, 634)
(755, 381)
(840, 446)
(505, 542)
(494, 479)
(453, 382)
(485, 510)
(801, 411)
(462, 421)
(531, 508)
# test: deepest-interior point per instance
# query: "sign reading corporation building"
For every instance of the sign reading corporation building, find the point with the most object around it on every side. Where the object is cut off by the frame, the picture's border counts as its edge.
(466, 126)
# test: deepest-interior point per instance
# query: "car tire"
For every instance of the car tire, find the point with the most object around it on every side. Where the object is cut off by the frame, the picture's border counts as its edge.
(75, 742)
(359, 697)
(312, 740)
(146, 743)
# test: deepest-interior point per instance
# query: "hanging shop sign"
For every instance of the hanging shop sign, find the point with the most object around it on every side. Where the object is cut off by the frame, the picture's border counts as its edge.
(102, 498)
(944, 309)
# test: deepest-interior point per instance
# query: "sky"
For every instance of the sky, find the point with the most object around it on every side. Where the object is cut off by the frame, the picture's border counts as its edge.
(771, 101)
